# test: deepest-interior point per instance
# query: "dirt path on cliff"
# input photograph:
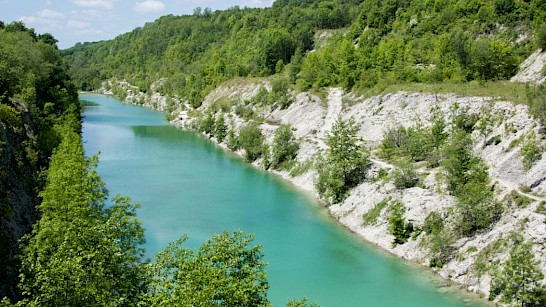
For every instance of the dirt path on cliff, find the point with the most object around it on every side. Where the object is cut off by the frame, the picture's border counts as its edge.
(334, 110)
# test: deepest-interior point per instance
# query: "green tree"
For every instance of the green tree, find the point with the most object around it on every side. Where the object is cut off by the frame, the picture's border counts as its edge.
(277, 44)
(285, 147)
(530, 153)
(397, 224)
(345, 164)
(225, 271)
(80, 253)
(251, 140)
(519, 281)
(206, 124)
(220, 128)
(541, 36)
(231, 140)
(295, 66)
(439, 239)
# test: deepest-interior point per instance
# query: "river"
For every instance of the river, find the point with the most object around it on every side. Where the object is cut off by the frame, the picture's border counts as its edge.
(187, 185)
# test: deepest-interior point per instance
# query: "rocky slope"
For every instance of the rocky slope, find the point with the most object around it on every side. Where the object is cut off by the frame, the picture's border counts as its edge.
(499, 143)
(19, 171)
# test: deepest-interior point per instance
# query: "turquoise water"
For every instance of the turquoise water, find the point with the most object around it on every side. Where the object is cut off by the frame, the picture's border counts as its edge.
(187, 185)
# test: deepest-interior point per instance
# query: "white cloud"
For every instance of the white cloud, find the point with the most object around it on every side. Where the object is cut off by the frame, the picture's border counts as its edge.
(98, 4)
(93, 15)
(149, 6)
(76, 24)
(50, 14)
(43, 17)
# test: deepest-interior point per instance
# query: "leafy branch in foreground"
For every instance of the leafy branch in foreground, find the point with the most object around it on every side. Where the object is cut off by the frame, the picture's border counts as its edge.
(224, 271)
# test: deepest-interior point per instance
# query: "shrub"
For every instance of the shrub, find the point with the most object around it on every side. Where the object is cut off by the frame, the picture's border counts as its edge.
(434, 223)
(475, 209)
(521, 201)
(418, 143)
(405, 176)
(536, 100)
(245, 112)
(300, 168)
(261, 97)
(464, 121)
(393, 140)
(302, 302)
(266, 156)
(440, 244)
(541, 208)
(231, 140)
(206, 125)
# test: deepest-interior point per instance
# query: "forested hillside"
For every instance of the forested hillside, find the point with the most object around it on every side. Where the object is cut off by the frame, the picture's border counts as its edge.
(378, 43)
(37, 100)
(198, 52)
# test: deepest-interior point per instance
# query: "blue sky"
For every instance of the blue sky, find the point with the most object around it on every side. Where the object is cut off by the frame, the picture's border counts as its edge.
(72, 21)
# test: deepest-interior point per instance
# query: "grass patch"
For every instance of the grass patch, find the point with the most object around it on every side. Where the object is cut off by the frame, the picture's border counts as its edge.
(472, 249)
(521, 201)
(301, 168)
(370, 217)
(483, 258)
(541, 208)
(525, 189)
(514, 143)
(498, 90)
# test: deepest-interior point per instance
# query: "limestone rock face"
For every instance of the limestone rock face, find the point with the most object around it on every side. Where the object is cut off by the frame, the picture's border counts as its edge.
(499, 145)
(532, 69)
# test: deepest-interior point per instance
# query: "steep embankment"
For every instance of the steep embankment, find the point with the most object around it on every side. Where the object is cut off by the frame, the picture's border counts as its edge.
(311, 121)
(36, 98)
(501, 131)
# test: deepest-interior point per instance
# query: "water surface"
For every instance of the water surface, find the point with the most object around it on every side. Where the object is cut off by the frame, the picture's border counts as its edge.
(187, 185)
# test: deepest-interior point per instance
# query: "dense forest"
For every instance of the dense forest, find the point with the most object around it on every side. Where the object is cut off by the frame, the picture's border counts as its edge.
(372, 44)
